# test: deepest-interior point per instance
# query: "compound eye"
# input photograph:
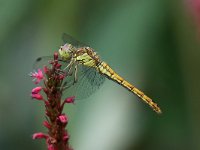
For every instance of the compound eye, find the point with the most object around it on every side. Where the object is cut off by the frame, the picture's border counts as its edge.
(87, 48)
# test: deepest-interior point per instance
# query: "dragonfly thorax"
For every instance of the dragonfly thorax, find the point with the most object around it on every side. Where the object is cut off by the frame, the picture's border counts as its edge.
(82, 55)
(87, 57)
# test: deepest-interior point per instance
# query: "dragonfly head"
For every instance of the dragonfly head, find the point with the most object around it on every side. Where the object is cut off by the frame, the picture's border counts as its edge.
(66, 51)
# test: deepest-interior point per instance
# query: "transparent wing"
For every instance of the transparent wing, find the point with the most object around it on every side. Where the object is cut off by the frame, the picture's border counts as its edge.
(71, 40)
(40, 62)
(89, 80)
(89, 83)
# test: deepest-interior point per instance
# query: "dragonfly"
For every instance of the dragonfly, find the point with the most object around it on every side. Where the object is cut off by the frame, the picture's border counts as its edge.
(88, 71)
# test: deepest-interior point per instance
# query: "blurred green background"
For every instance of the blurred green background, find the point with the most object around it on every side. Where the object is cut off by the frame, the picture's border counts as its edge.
(153, 44)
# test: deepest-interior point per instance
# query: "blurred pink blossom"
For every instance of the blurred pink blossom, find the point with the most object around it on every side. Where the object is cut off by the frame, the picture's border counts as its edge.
(194, 9)
(37, 76)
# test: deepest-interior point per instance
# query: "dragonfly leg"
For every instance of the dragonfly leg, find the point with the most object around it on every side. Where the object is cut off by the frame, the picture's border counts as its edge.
(70, 64)
(60, 72)
(74, 81)
(75, 74)
(65, 87)
(70, 67)
(70, 71)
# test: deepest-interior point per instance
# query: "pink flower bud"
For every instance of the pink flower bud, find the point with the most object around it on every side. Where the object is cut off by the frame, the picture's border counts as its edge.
(37, 96)
(61, 77)
(69, 100)
(36, 90)
(39, 135)
(58, 65)
(55, 56)
(65, 138)
(63, 118)
(46, 69)
(46, 124)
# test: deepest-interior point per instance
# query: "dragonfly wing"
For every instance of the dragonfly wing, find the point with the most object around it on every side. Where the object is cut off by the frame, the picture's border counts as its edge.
(89, 80)
(89, 83)
(71, 40)
(40, 62)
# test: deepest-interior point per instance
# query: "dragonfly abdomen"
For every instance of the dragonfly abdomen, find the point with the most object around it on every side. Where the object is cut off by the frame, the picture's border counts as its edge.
(105, 69)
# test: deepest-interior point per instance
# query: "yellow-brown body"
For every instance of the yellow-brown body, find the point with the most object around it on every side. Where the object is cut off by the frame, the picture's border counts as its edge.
(87, 57)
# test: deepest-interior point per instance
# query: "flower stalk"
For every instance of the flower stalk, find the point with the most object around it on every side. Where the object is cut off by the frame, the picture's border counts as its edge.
(57, 137)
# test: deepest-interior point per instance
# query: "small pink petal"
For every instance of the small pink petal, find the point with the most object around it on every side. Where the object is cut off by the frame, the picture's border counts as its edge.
(40, 74)
(63, 118)
(36, 90)
(37, 96)
(39, 135)
(37, 81)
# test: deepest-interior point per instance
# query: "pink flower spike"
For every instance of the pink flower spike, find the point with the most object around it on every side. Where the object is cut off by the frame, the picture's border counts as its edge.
(36, 90)
(37, 96)
(39, 135)
(70, 100)
(63, 118)
(38, 76)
